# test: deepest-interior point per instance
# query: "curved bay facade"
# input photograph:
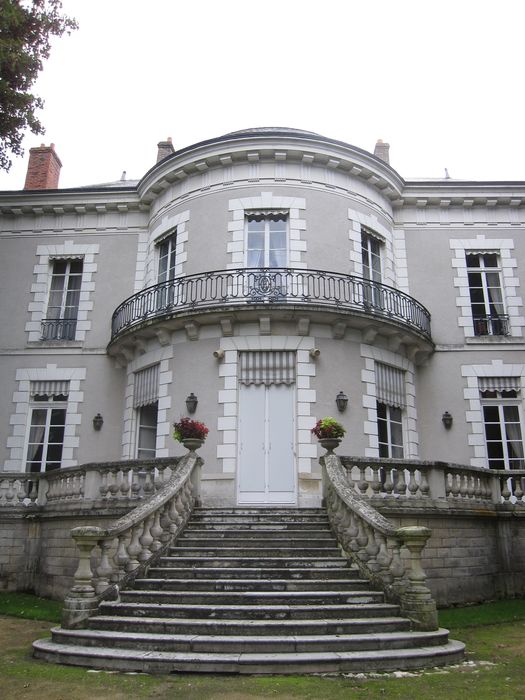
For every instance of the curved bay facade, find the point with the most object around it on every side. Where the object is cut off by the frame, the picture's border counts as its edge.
(265, 272)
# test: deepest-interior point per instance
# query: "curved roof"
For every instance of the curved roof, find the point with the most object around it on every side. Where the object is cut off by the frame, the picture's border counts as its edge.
(272, 130)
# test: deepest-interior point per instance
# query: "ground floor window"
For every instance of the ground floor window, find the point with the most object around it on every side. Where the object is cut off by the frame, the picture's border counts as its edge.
(147, 431)
(503, 429)
(390, 430)
(47, 422)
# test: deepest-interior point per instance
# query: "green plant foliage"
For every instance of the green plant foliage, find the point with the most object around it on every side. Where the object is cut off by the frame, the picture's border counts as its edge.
(26, 27)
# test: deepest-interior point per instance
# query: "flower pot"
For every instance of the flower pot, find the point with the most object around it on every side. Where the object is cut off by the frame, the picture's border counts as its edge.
(330, 444)
(192, 444)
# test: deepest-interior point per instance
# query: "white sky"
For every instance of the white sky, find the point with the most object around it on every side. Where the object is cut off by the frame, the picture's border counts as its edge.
(441, 80)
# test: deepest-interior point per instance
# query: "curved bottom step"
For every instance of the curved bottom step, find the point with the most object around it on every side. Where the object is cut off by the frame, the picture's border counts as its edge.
(279, 663)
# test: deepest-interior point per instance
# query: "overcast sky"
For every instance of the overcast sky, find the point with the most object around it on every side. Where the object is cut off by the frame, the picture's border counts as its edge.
(441, 81)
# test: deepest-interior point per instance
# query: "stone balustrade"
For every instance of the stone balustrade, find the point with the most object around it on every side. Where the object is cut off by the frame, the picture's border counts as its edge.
(413, 481)
(100, 485)
(111, 557)
(375, 545)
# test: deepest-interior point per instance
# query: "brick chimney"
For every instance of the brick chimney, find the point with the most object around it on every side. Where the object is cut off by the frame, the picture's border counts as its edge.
(381, 151)
(165, 149)
(43, 169)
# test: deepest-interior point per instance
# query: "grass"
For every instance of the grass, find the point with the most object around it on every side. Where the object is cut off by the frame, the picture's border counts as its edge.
(494, 634)
(30, 607)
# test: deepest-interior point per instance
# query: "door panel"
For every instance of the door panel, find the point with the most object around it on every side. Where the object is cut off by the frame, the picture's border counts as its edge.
(266, 445)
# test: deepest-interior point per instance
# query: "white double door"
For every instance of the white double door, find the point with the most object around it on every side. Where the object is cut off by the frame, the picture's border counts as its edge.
(267, 473)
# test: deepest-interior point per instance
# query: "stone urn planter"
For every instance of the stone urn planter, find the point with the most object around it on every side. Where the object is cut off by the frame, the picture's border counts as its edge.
(192, 444)
(330, 444)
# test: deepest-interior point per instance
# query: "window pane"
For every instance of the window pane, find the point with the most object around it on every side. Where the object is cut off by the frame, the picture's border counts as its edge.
(490, 260)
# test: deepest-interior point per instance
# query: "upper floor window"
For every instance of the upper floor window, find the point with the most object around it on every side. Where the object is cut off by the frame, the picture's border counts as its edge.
(47, 422)
(267, 239)
(486, 294)
(60, 322)
(502, 422)
(167, 257)
(146, 403)
(371, 256)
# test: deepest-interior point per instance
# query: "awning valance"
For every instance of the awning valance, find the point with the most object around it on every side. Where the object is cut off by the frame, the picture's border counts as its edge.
(267, 367)
(49, 387)
(146, 389)
(390, 385)
(499, 383)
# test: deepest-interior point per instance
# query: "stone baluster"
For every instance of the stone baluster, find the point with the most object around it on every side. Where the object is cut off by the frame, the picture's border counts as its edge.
(113, 483)
(134, 548)
(125, 484)
(471, 488)
(362, 541)
(424, 486)
(400, 483)
(146, 539)
(165, 522)
(372, 550)
(518, 488)
(81, 600)
(362, 484)
(384, 558)
(10, 493)
(412, 486)
(104, 488)
(376, 482)
(156, 532)
(105, 569)
(455, 487)
(149, 486)
(505, 491)
(388, 485)
(121, 557)
(135, 484)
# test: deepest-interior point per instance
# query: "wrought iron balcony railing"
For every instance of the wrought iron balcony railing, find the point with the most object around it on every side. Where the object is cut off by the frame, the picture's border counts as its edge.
(222, 288)
(497, 324)
(58, 328)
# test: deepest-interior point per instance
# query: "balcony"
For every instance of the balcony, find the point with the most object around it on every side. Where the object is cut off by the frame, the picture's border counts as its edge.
(279, 288)
(497, 324)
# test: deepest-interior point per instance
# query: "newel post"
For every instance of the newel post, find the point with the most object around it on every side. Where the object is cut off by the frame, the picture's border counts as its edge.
(81, 601)
(416, 600)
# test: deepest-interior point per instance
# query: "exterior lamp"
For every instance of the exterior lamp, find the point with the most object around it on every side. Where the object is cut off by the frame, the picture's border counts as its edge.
(98, 422)
(341, 401)
(447, 420)
(191, 403)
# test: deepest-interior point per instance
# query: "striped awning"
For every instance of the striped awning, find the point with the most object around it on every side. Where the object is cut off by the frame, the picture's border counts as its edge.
(499, 383)
(390, 385)
(146, 389)
(267, 367)
(49, 387)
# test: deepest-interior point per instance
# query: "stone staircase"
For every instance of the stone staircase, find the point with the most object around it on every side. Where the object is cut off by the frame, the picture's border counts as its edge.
(251, 591)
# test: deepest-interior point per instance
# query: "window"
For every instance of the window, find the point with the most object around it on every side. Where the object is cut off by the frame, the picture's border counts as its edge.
(390, 430)
(371, 259)
(167, 257)
(64, 297)
(47, 421)
(486, 295)
(266, 239)
(145, 401)
(147, 431)
(390, 392)
(502, 422)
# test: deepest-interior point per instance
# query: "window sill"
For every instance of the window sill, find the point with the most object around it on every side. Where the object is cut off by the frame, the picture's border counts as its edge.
(55, 344)
(493, 339)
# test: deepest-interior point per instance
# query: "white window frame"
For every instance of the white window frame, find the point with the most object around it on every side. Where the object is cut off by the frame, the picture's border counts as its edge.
(170, 273)
(500, 402)
(488, 324)
(266, 217)
(388, 421)
(47, 405)
(60, 327)
(143, 429)
(368, 238)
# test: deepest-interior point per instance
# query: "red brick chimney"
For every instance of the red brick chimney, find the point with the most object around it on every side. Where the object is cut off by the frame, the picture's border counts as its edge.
(381, 151)
(43, 169)
(165, 149)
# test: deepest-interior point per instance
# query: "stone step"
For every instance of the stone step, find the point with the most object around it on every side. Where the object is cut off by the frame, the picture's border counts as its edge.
(249, 644)
(250, 612)
(258, 526)
(109, 658)
(264, 537)
(261, 511)
(247, 584)
(251, 598)
(195, 626)
(298, 574)
(253, 561)
(246, 519)
(260, 552)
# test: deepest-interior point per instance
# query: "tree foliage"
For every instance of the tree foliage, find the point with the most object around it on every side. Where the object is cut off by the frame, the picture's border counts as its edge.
(26, 28)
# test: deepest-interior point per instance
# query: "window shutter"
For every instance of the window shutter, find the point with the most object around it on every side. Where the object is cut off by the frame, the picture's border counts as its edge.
(390, 385)
(267, 367)
(55, 387)
(499, 383)
(146, 386)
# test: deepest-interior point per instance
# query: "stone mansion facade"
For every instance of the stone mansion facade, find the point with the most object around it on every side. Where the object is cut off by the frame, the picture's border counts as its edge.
(259, 281)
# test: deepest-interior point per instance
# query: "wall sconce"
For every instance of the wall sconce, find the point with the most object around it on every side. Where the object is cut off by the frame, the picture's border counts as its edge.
(341, 401)
(98, 422)
(191, 403)
(447, 420)
(314, 353)
(218, 354)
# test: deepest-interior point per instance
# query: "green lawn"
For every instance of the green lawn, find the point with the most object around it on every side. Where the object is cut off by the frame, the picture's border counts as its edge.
(494, 668)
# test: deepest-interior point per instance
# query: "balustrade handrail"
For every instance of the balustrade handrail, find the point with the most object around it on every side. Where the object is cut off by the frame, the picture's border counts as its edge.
(208, 290)
(131, 543)
(374, 544)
